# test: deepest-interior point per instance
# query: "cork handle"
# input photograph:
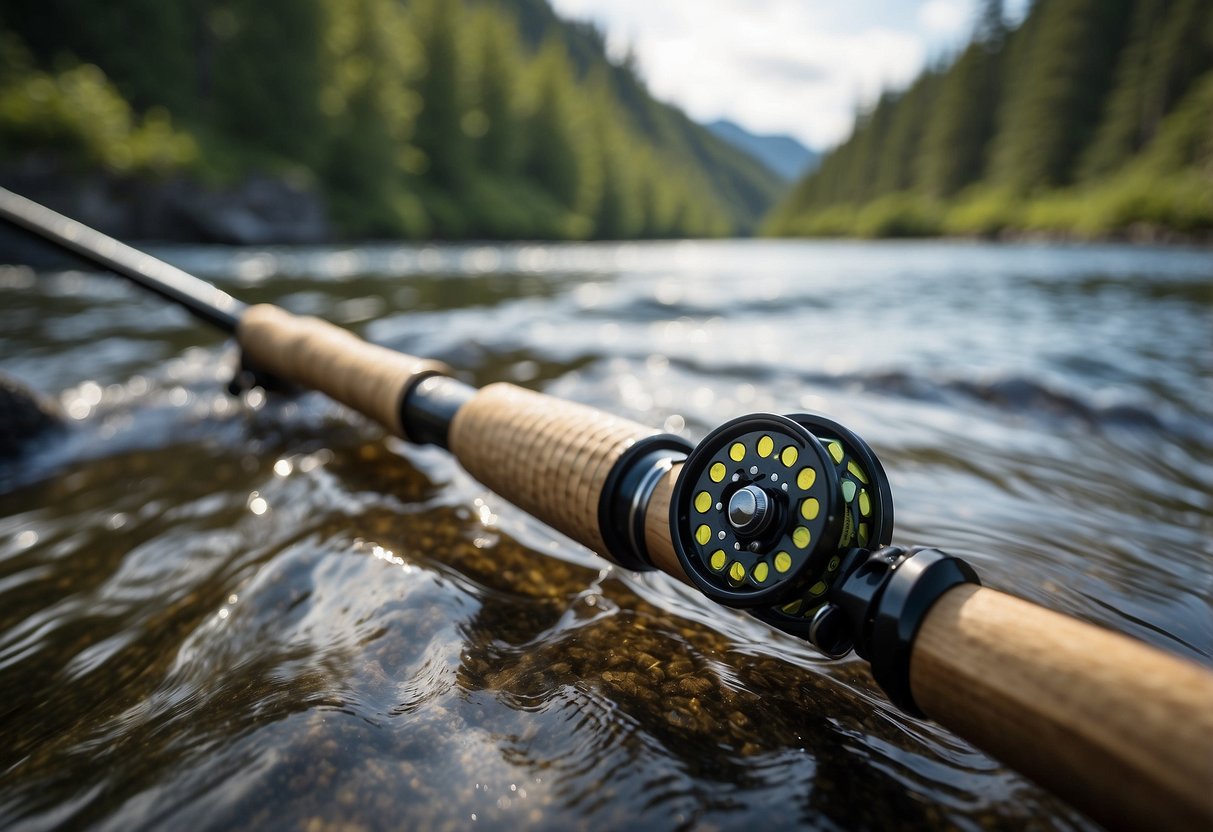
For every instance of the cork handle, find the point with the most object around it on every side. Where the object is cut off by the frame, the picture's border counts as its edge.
(657, 529)
(324, 357)
(549, 457)
(1123, 731)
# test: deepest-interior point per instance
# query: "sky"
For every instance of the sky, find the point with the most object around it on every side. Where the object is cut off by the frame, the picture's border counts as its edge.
(798, 67)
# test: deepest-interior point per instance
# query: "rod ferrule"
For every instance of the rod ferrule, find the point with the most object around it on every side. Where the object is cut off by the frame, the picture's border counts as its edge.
(428, 406)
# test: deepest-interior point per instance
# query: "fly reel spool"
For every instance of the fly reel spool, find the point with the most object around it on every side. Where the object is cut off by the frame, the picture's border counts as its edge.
(766, 510)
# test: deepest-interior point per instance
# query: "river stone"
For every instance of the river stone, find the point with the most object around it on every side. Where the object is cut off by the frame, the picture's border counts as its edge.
(24, 416)
(258, 210)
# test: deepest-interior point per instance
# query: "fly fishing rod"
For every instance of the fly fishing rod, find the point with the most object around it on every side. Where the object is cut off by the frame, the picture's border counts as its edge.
(786, 516)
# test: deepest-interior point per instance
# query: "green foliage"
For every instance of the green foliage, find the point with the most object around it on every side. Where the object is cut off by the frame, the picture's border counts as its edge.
(501, 146)
(414, 117)
(147, 48)
(1093, 118)
(1054, 102)
(1181, 203)
(620, 209)
(78, 116)
(984, 211)
(1171, 43)
(1185, 138)
(962, 123)
(897, 215)
(266, 67)
(443, 86)
(860, 173)
(898, 167)
(556, 154)
(733, 182)
(367, 158)
(891, 215)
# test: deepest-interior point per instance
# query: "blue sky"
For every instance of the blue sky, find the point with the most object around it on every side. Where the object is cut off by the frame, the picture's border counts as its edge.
(799, 67)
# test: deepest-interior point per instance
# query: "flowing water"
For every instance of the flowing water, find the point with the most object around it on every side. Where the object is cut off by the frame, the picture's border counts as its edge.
(220, 612)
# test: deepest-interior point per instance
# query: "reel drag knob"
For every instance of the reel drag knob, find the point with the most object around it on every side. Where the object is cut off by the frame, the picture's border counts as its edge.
(750, 510)
(755, 513)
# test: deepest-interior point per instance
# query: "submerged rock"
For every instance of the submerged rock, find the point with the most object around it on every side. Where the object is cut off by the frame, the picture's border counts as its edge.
(24, 416)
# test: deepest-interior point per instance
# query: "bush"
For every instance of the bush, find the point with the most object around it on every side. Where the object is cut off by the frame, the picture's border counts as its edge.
(78, 115)
(984, 212)
(899, 215)
(1181, 202)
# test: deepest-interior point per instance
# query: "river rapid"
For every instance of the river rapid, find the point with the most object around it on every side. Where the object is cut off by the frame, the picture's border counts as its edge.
(257, 612)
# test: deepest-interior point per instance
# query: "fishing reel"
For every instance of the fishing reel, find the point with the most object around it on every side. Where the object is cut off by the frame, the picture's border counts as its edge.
(771, 511)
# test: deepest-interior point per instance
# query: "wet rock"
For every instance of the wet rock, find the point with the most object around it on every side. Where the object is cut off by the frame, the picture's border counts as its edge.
(260, 210)
(25, 416)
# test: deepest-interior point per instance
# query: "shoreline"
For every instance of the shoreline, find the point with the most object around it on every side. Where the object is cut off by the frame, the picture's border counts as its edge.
(267, 210)
(1138, 235)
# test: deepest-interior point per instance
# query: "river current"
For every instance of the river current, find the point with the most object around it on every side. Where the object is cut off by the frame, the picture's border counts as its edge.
(259, 612)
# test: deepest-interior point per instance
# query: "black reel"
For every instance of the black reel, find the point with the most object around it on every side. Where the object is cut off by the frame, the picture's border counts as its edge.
(767, 510)
(867, 523)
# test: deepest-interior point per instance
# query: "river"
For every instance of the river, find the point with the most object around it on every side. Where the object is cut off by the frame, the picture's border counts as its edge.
(234, 613)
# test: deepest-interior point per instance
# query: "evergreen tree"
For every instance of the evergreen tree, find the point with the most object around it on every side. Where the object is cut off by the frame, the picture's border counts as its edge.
(269, 65)
(501, 147)
(1079, 82)
(442, 131)
(619, 213)
(414, 116)
(368, 159)
(962, 123)
(1170, 45)
(870, 135)
(658, 201)
(991, 28)
(555, 157)
(146, 47)
(1061, 79)
(898, 168)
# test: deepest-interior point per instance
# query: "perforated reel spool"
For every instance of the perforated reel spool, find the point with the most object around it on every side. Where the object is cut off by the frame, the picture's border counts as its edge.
(755, 512)
(866, 509)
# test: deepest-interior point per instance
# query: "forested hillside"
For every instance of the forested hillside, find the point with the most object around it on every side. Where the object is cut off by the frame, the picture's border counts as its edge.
(1093, 117)
(421, 118)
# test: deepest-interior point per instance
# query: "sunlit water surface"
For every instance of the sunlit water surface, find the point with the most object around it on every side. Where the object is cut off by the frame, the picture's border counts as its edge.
(215, 614)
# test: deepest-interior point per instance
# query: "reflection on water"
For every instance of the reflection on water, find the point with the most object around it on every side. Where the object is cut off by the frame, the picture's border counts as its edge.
(220, 613)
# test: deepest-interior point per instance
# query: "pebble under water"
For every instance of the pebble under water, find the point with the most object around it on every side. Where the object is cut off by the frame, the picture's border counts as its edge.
(260, 613)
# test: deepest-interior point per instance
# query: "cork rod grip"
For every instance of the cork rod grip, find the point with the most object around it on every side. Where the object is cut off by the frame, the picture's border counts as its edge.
(324, 357)
(549, 457)
(657, 530)
(1118, 728)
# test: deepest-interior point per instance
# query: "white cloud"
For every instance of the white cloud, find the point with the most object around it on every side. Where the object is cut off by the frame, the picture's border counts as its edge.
(776, 66)
(946, 17)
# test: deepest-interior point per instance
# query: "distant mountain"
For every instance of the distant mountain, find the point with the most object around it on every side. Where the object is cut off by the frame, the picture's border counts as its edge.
(782, 154)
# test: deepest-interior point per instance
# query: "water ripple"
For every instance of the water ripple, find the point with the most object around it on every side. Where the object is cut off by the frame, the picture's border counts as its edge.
(221, 613)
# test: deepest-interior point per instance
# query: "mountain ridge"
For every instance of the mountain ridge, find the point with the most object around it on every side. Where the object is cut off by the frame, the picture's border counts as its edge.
(781, 153)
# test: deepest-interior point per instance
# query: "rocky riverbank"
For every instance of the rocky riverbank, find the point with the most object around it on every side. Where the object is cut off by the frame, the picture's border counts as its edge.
(260, 210)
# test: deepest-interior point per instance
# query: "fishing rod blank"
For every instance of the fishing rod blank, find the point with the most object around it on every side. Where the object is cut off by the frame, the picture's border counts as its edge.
(200, 298)
(788, 517)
